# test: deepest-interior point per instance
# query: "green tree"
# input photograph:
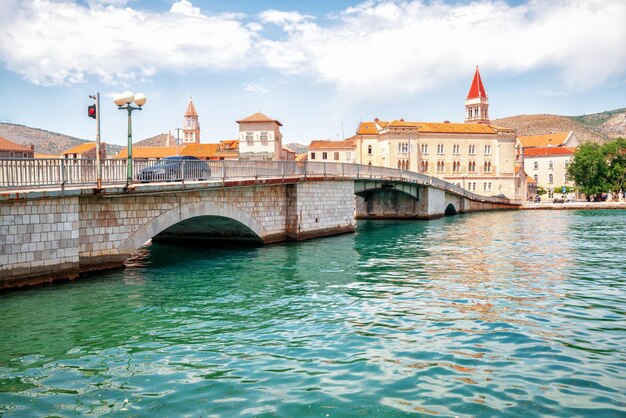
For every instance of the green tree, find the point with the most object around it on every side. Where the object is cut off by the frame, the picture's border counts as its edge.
(615, 153)
(590, 169)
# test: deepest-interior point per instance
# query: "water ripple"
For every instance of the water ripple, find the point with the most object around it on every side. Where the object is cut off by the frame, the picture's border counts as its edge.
(494, 314)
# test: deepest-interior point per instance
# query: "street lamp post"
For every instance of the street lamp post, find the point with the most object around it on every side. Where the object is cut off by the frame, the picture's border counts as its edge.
(123, 101)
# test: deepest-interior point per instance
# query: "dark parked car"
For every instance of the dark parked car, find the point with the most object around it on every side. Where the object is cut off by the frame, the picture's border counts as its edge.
(176, 168)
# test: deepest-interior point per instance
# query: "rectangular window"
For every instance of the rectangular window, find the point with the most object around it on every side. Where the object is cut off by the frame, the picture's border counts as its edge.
(264, 138)
(487, 149)
(336, 156)
(472, 149)
(440, 149)
(424, 148)
(249, 138)
(324, 156)
(312, 155)
(456, 149)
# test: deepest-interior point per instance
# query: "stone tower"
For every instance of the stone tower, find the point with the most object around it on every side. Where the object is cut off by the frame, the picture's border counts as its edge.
(191, 126)
(477, 102)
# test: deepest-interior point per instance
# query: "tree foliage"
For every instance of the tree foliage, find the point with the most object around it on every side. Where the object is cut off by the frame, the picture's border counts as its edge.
(616, 159)
(600, 168)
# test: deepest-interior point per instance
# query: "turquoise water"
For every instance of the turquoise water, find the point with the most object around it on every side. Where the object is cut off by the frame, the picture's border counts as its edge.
(492, 314)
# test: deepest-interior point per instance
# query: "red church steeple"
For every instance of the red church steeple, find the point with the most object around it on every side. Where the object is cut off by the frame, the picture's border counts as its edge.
(477, 102)
(477, 89)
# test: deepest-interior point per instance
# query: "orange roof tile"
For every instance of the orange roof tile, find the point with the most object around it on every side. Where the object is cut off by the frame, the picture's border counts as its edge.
(200, 150)
(150, 152)
(477, 89)
(37, 155)
(6, 145)
(401, 124)
(545, 151)
(230, 144)
(529, 179)
(302, 157)
(322, 144)
(80, 149)
(258, 117)
(554, 140)
(367, 128)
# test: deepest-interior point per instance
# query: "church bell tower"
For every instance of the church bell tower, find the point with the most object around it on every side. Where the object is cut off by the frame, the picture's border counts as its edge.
(191, 126)
(477, 102)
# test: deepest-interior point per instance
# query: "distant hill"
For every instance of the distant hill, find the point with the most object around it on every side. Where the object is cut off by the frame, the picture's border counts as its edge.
(597, 127)
(45, 142)
(154, 141)
(297, 148)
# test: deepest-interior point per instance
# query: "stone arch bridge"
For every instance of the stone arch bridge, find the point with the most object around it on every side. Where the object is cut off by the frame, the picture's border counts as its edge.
(51, 231)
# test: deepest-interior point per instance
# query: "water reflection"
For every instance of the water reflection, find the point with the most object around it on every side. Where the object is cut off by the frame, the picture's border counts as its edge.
(516, 313)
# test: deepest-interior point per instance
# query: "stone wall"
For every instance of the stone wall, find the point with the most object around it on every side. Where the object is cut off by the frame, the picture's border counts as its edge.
(38, 240)
(52, 236)
(320, 208)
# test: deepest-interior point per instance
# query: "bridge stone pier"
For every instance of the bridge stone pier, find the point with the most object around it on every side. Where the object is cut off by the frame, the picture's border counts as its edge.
(397, 200)
(47, 236)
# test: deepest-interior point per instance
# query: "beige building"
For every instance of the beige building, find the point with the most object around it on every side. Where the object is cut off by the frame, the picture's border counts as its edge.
(260, 139)
(548, 168)
(474, 155)
(332, 151)
(559, 139)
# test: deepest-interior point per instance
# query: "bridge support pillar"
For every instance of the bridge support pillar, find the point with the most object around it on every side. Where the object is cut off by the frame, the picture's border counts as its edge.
(316, 209)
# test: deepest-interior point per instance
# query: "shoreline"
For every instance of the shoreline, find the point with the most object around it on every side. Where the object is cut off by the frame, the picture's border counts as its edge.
(574, 206)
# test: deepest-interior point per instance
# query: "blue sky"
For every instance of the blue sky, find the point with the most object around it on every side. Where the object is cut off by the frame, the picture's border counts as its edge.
(317, 66)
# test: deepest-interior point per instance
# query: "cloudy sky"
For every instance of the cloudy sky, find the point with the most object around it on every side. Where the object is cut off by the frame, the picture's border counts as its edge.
(317, 66)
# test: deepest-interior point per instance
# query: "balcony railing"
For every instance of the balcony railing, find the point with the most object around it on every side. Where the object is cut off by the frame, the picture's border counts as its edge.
(21, 174)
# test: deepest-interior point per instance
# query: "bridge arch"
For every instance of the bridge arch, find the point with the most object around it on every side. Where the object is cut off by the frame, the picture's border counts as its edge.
(189, 211)
(450, 210)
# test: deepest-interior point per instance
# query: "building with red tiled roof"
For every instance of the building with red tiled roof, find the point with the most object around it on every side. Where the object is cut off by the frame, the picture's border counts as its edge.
(558, 139)
(475, 155)
(86, 150)
(9, 149)
(332, 151)
(548, 167)
(260, 139)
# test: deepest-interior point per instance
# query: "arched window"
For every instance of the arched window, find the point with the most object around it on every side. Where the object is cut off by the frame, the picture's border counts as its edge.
(536, 177)
(369, 150)
(536, 165)
(550, 179)
(550, 165)
(399, 164)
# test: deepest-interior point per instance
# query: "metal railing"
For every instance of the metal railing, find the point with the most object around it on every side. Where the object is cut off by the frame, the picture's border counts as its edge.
(20, 174)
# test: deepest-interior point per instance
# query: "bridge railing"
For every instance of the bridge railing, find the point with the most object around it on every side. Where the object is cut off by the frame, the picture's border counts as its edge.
(47, 172)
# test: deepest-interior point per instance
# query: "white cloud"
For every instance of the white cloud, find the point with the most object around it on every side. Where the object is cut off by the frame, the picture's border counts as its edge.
(391, 47)
(278, 17)
(254, 88)
(385, 47)
(185, 7)
(63, 42)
